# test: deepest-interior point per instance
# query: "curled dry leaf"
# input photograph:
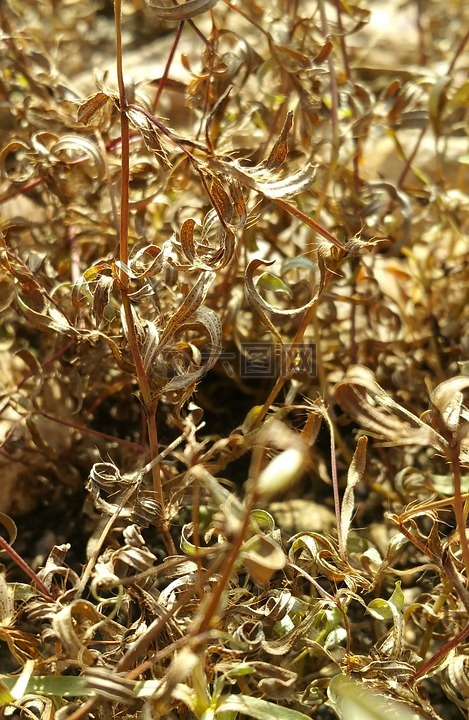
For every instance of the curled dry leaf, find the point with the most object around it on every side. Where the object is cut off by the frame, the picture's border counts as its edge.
(71, 625)
(109, 685)
(261, 306)
(192, 301)
(183, 11)
(262, 557)
(259, 178)
(118, 494)
(153, 139)
(360, 396)
(49, 319)
(201, 254)
(457, 678)
(354, 475)
(83, 148)
(10, 527)
(448, 411)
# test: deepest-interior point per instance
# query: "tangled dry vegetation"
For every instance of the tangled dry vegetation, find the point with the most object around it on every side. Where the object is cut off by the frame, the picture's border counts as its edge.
(234, 351)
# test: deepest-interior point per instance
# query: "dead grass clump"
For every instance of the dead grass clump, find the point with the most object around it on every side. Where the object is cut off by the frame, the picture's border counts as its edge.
(233, 273)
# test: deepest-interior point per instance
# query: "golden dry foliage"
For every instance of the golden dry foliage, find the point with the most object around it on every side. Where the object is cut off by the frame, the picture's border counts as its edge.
(234, 357)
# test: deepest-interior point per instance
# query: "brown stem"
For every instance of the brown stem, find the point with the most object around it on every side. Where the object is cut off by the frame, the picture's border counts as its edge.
(203, 625)
(270, 400)
(411, 157)
(441, 653)
(458, 505)
(125, 153)
(293, 210)
(164, 77)
(149, 403)
(334, 117)
(25, 567)
(459, 49)
(89, 431)
(150, 406)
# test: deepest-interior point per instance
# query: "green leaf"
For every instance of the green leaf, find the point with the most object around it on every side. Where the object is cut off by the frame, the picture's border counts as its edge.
(263, 519)
(388, 609)
(397, 598)
(69, 686)
(259, 709)
(380, 609)
(273, 283)
(335, 638)
(51, 685)
(354, 700)
(298, 263)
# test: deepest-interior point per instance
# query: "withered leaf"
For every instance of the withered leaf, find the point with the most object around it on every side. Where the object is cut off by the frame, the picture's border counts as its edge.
(102, 295)
(83, 146)
(221, 200)
(208, 319)
(290, 186)
(262, 557)
(50, 319)
(354, 475)
(447, 401)
(276, 682)
(186, 237)
(280, 149)
(201, 255)
(437, 100)
(194, 298)
(93, 107)
(71, 625)
(149, 132)
(360, 396)
(324, 53)
(259, 178)
(183, 11)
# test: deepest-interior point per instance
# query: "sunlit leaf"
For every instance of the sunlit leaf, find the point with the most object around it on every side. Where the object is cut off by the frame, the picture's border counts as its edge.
(149, 131)
(282, 472)
(354, 700)
(447, 400)
(280, 149)
(354, 475)
(53, 319)
(193, 300)
(258, 708)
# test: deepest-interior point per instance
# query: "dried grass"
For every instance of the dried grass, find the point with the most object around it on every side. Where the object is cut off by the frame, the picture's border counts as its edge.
(286, 178)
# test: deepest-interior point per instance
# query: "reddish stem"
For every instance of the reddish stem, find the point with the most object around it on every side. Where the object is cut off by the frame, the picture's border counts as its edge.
(164, 77)
(25, 567)
(441, 653)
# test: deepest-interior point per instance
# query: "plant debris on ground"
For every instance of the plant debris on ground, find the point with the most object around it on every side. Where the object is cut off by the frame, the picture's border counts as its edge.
(234, 353)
